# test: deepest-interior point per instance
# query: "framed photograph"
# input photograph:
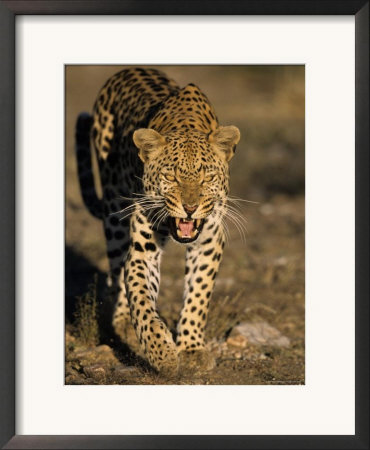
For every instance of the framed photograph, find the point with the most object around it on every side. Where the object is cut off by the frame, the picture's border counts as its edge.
(185, 239)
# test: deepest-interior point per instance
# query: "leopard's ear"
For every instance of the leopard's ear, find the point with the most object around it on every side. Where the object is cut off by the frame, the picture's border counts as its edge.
(224, 140)
(149, 142)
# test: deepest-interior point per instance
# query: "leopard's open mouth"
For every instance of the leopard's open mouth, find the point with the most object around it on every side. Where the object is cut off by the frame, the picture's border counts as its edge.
(185, 230)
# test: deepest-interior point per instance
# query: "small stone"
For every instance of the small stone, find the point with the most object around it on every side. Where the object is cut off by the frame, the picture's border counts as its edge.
(126, 371)
(227, 282)
(260, 333)
(74, 379)
(238, 355)
(95, 371)
(103, 349)
(239, 341)
(82, 354)
(267, 209)
(282, 261)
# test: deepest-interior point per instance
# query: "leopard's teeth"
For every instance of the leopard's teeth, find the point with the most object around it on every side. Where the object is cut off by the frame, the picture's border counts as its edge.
(197, 223)
(177, 222)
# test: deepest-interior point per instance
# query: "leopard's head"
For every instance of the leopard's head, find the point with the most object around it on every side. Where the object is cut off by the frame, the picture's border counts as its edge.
(186, 176)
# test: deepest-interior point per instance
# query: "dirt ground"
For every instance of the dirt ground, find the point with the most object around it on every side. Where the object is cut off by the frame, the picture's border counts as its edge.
(256, 326)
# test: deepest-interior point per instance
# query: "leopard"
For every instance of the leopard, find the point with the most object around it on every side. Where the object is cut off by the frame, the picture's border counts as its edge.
(163, 164)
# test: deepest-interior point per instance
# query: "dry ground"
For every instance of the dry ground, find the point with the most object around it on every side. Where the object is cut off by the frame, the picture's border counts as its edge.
(261, 280)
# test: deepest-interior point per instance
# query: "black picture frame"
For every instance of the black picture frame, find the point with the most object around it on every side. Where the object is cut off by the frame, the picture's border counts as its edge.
(8, 12)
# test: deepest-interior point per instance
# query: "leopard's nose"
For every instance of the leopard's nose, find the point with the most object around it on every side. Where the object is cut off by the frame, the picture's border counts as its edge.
(189, 209)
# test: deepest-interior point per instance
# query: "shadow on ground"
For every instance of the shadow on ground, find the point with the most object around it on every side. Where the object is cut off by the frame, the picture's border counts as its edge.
(80, 274)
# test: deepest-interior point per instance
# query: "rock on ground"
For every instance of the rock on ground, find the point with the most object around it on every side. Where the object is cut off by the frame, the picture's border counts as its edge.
(257, 333)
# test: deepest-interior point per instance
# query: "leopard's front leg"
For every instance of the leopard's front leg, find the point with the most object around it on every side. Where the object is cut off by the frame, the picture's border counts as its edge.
(142, 285)
(202, 263)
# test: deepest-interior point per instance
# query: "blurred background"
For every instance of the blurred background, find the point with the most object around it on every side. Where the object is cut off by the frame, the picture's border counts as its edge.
(261, 280)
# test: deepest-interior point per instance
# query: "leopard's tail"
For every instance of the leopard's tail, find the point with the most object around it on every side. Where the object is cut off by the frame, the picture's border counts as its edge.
(84, 165)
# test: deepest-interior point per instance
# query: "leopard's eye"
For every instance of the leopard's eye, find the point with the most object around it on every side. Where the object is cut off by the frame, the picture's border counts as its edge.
(169, 177)
(209, 177)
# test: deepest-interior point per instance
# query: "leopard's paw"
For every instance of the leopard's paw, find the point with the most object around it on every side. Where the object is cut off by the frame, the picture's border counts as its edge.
(167, 363)
(161, 350)
(195, 361)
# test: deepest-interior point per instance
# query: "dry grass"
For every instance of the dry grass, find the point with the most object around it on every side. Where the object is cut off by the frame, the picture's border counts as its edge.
(86, 317)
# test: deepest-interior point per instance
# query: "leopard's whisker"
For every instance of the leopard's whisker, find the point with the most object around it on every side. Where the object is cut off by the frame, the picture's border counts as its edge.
(144, 208)
(238, 199)
(219, 208)
(158, 215)
(238, 224)
(231, 213)
(164, 217)
(143, 203)
(237, 213)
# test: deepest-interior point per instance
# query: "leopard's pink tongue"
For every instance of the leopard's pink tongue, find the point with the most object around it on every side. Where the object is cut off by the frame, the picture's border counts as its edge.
(186, 228)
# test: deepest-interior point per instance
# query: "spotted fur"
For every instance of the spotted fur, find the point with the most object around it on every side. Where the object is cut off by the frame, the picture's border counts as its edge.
(163, 164)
